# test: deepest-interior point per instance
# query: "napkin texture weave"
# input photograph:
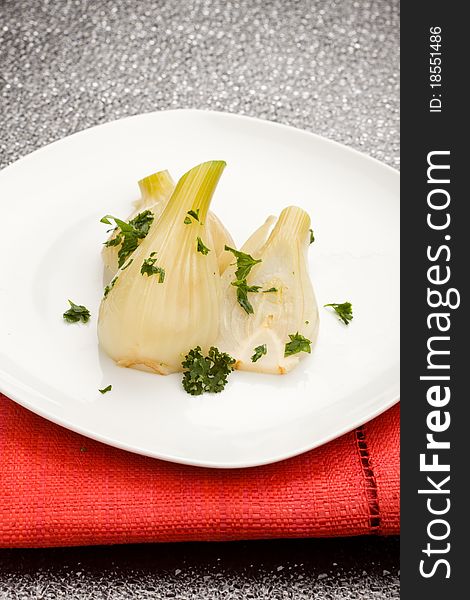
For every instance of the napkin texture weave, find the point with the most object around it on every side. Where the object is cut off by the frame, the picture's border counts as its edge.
(59, 488)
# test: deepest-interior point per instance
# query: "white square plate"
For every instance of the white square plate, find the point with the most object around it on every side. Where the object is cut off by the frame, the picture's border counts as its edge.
(51, 205)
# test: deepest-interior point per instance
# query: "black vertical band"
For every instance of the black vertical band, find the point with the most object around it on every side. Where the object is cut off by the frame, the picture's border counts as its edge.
(435, 272)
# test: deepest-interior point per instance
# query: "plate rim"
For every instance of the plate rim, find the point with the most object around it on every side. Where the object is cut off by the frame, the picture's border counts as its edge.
(185, 461)
(24, 395)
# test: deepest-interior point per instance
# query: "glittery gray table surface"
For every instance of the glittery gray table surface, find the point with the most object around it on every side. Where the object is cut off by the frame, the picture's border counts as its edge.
(330, 67)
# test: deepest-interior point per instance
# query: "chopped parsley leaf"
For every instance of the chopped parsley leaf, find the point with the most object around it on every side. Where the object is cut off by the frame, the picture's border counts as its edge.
(115, 241)
(76, 313)
(242, 294)
(259, 351)
(130, 234)
(298, 343)
(312, 237)
(150, 268)
(245, 263)
(344, 311)
(142, 222)
(106, 389)
(201, 248)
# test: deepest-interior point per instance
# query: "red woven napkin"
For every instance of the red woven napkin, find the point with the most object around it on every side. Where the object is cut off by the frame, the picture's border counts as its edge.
(59, 488)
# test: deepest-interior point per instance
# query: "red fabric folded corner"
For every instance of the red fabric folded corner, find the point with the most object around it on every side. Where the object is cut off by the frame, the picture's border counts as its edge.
(58, 488)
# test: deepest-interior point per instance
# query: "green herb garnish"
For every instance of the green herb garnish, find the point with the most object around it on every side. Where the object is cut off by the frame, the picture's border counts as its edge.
(114, 241)
(245, 263)
(142, 222)
(110, 286)
(201, 248)
(259, 351)
(149, 268)
(206, 373)
(298, 343)
(344, 311)
(273, 289)
(130, 234)
(242, 294)
(106, 389)
(193, 214)
(312, 237)
(76, 313)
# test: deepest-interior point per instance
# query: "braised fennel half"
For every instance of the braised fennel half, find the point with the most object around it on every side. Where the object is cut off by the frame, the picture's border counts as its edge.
(167, 300)
(268, 298)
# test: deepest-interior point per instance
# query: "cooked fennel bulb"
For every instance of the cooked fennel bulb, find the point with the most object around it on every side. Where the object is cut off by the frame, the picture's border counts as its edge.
(166, 298)
(280, 295)
(155, 191)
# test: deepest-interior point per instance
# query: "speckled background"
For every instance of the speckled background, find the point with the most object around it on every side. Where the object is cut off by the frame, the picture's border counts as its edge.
(347, 569)
(326, 66)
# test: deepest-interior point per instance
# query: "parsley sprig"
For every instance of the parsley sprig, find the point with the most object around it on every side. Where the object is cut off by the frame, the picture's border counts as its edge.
(130, 234)
(206, 373)
(76, 313)
(344, 311)
(298, 343)
(150, 268)
(245, 263)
